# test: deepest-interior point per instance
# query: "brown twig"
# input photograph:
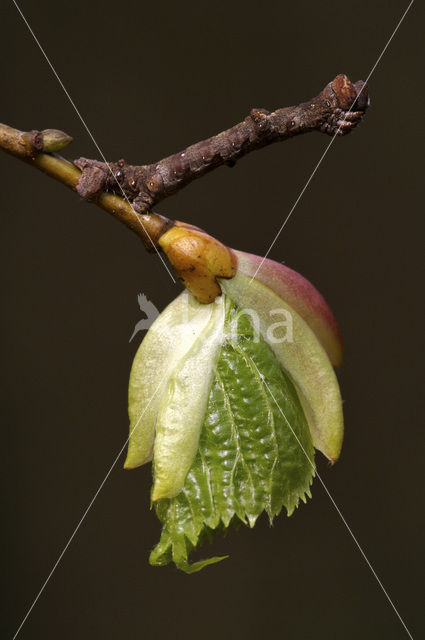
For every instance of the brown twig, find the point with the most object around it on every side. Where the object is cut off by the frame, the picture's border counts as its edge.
(336, 110)
(37, 147)
(198, 259)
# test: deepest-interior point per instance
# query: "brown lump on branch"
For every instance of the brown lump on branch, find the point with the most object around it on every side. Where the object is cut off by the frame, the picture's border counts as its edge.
(198, 259)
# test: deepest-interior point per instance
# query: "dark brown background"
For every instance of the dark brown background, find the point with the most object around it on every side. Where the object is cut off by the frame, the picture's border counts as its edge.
(149, 79)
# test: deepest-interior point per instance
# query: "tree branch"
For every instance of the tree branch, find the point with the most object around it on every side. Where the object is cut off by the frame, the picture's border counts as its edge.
(336, 110)
(31, 146)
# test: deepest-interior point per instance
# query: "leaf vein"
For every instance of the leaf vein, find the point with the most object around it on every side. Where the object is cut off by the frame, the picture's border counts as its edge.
(249, 361)
(239, 454)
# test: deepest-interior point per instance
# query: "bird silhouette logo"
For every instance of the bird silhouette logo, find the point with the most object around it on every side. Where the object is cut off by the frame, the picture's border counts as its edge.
(150, 311)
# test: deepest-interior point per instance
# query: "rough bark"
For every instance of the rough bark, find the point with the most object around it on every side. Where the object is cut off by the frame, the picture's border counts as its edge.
(335, 111)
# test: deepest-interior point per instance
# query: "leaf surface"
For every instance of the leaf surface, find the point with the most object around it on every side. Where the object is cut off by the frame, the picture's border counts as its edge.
(300, 294)
(166, 343)
(182, 409)
(302, 356)
(255, 451)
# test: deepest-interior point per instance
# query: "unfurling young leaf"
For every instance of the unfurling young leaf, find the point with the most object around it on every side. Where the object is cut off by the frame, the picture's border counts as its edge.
(233, 386)
(229, 403)
(255, 452)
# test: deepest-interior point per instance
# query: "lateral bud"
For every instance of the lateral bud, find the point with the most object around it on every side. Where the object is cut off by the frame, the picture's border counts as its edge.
(54, 140)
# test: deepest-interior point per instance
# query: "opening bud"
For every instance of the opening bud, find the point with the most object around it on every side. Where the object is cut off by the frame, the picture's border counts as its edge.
(198, 259)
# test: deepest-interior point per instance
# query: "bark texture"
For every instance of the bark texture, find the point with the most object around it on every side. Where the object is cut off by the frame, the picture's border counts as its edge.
(335, 111)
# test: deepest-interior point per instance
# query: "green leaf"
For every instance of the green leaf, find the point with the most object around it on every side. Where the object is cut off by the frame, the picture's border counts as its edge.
(301, 355)
(165, 345)
(183, 406)
(255, 450)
